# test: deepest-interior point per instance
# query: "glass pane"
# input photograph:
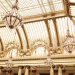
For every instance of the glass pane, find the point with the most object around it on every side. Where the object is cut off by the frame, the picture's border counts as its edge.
(36, 31)
(72, 0)
(12, 53)
(72, 9)
(8, 36)
(40, 51)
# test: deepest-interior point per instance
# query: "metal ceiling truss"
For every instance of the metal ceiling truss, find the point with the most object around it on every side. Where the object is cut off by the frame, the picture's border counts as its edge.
(21, 44)
(49, 32)
(26, 36)
(2, 47)
(56, 30)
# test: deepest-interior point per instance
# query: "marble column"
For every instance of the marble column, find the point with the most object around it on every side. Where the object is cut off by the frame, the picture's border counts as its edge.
(27, 70)
(51, 70)
(20, 71)
(59, 70)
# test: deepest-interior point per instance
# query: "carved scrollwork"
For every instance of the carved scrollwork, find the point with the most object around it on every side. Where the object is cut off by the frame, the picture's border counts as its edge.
(53, 51)
(2, 54)
(25, 52)
(39, 43)
(8, 47)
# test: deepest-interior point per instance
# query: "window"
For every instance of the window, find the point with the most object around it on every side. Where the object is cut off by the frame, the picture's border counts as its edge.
(40, 51)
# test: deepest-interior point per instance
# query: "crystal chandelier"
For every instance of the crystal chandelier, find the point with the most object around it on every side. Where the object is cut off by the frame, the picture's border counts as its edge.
(12, 18)
(69, 43)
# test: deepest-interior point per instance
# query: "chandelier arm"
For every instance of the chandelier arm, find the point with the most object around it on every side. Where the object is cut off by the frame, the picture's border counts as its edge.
(68, 32)
(7, 21)
(10, 19)
(14, 21)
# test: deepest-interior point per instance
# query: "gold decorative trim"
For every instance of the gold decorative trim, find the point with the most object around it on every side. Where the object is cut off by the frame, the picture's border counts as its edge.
(57, 50)
(39, 43)
(26, 52)
(9, 47)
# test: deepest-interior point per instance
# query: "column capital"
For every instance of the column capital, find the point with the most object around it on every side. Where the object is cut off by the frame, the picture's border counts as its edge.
(27, 66)
(52, 66)
(60, 65)
(51, 70)
(21, 67)
(60, 70)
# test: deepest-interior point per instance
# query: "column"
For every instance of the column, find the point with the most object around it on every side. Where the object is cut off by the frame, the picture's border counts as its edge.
(0, 70)
(20, 71)
(27, 70)
(51, 70)
(30, 71)
(59, 70)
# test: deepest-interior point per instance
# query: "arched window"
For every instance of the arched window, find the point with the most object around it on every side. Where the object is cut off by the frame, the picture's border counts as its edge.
(40, 51)
(12, 53)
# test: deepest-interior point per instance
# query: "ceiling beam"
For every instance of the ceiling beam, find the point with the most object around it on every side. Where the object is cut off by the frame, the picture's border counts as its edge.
(56, 31)
(72, 3)
(40, 17)
(55, 14)
(49, 32)
(67, 4)
(21, 45)
(71, 18)
(28, 46)
(2, 47)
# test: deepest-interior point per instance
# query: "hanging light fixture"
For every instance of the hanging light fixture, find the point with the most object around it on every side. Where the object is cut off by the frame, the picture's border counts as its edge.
(69, 43)
(12, 18)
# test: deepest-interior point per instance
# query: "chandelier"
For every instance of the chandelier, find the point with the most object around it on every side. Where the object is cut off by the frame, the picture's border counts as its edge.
(12, 18)
(69, 43)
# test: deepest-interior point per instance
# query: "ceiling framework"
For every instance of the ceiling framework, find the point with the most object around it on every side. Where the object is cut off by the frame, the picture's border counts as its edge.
(1, 43)
(50, 5)
(49, 33)
(26, 36)
(56, 30)
(71, 18)
(40, 11)
(19, 38)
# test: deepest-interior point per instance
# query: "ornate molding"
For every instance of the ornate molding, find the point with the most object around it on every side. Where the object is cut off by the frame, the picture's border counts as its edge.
(53, 51)
(39, 43)
(8, 47)
(26, 52)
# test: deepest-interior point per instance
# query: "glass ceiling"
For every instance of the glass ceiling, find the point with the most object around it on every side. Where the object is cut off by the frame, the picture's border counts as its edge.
(29, 8)
(33, 8)
(46, 21)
